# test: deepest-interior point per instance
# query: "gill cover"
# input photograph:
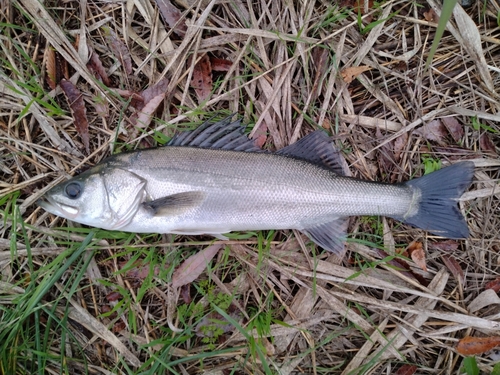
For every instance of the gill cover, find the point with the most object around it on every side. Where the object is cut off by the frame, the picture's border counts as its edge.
(125, 192)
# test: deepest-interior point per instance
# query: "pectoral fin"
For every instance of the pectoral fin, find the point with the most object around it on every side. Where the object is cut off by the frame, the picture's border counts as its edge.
(175, 204)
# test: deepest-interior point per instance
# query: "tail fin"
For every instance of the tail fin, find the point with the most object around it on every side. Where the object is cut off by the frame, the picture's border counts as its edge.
(437, 211)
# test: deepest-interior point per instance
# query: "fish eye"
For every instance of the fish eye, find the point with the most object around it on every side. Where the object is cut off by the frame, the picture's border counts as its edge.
(73, 190)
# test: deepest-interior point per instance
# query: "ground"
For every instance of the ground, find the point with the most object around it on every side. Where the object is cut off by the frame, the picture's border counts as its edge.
(81, 80)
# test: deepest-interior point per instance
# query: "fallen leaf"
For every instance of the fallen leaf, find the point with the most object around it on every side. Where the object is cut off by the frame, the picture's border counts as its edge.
(101, 106)
(119, 49)
(455, 129)
(358, 6)
(145, 115)
(194, 266)
(260, 135)
(495, 285)
(385, 153)
(185, 295)
(95, 64)
(432, 131)
(140, 271)
(126, 94)
(105, 309)
(486, 144)
(477, 345)
(399, 145)
(50, 67)
(113, 296)
(401, 266)
(446, 245)
(171, 16)
(402, 66)
(220, 65)
(454, 267)
(487, 297)
(406, 370)
(321, 59)
(202, 78)
(119, 326)
(348, 74)
(431, 16)
(78, 110)
(152, 91)
(417, 253)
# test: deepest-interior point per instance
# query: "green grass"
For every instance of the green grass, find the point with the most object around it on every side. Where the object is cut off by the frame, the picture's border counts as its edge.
(34, 323)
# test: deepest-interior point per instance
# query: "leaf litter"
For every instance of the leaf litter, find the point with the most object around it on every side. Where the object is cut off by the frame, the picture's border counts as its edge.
(379, 309)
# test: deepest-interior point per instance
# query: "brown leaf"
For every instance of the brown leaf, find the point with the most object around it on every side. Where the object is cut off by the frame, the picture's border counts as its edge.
(95, 64)
(105, 309)
(321, 62)
(446, 245)
(417, 253)
(171, 16)
(402, 267)
(50, 67)
(185, 295)
(119, 49)
(455, 129)
(385, 155)
(406, 370)
(260, 135)
(139, 271)
(194, 266)
(220, 65)
(432, 131)
(486, 144)
(145, 116)
(202, 78)
(454, 267)
(101, 106)
(78, 110)
(402, 66)
(129, 94)
(477, 345)
(431, 16)
(152, 91)
(399, 145)
(357, 5)
(494, 284)
(348, 74)
(113, 296)
(119, 326)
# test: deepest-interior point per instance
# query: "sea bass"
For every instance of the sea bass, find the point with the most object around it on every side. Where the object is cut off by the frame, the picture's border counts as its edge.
(214, 180)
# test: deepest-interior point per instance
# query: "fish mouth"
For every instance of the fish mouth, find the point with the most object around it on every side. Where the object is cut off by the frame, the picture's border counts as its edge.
(57, 208)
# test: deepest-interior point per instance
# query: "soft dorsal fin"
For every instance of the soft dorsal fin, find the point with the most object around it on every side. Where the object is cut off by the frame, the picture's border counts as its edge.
(224, 135)
(317, 148)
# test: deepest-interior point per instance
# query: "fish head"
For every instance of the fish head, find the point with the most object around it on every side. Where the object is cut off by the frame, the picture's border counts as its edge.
(101, 197)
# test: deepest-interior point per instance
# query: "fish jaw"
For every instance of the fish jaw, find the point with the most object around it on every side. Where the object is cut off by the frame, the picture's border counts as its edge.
(59, 209)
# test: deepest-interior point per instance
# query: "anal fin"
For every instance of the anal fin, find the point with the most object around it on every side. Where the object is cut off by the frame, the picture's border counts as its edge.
(331, 235)
(175, 204)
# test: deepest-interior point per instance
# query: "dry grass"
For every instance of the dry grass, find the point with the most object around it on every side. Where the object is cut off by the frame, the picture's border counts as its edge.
(288, 76)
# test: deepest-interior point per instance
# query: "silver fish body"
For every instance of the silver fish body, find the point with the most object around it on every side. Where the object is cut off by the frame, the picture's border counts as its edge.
(187, 189)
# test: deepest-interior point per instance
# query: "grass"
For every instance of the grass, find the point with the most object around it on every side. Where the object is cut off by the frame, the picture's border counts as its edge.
(75, 300)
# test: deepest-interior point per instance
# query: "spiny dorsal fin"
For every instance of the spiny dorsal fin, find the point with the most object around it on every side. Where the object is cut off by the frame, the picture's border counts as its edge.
(318, 149)
(224, 135)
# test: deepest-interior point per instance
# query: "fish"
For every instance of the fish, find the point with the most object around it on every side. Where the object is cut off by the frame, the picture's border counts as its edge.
(214, 180)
